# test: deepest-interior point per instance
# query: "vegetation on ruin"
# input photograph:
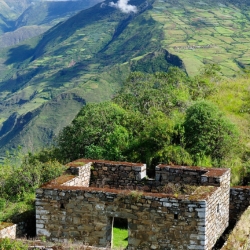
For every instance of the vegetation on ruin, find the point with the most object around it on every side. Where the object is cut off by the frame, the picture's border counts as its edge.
(4, 225)
(178, 189)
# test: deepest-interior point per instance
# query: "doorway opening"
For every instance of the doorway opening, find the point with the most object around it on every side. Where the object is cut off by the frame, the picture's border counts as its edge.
(119, 233)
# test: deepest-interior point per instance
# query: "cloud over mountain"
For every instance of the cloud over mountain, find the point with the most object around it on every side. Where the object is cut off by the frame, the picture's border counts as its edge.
(124, 6)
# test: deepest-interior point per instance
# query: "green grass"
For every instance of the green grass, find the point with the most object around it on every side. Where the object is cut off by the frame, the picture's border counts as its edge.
(120, 238)
(9, 209)
(226, 27)
(239, 237)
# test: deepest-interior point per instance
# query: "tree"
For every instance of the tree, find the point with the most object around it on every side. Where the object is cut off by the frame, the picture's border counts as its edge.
(165, 92)
(208, 133)
(156, 133)
(98, 131)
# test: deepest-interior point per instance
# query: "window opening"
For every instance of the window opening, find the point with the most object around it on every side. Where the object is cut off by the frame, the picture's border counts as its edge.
(218, 208)
(62, 206)
(176, 216)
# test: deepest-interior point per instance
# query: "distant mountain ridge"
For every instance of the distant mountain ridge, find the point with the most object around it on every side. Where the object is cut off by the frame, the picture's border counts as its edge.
(88, 56)
(10, 10)
(26, 18)
(45, 12)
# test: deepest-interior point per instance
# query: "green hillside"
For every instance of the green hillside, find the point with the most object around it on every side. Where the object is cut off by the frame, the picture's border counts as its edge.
(50, 12)
(206, 32)
(90, 55)
(10, 10)
(22, 20)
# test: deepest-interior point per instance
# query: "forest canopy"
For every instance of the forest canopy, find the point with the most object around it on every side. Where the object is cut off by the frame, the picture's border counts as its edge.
(158, 118)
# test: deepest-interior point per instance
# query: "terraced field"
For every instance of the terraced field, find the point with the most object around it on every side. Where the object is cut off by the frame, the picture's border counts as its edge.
(87, 58)
(205, 32)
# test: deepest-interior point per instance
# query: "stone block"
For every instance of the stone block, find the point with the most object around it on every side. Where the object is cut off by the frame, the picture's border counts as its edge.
(43, 232)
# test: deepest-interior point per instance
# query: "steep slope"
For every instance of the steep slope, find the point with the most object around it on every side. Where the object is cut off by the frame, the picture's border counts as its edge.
(14, 37)
(10, 11)
(46, 12)
(18, 6)
(90, 55)
(71, 59)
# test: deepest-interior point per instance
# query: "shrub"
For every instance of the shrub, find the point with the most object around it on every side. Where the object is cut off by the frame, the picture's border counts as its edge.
(8, 244)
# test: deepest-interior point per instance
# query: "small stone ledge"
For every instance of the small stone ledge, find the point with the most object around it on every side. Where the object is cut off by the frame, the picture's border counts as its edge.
(81, 162)
(7, 230)
(192, 175)
(208, 172)
(201, 194)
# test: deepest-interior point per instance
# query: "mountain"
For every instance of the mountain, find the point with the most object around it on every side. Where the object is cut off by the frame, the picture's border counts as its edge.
(45, 12)
(25, 19)
(10, 11)
(86, 58)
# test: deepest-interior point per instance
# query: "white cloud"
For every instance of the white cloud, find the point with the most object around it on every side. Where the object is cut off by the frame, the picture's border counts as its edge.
(124, 6)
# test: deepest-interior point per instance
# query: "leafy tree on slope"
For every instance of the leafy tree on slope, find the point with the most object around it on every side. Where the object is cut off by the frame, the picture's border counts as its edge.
(208, 133)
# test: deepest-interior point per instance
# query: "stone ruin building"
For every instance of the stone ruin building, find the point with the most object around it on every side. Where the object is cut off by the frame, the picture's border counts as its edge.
(82, 204)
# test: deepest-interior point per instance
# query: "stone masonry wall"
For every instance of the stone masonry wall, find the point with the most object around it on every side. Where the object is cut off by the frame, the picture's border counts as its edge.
(239, 201)
(190, 175)
(82, 175)
(117, 174)
(217, 212)
(7, 230)
(217, 205)
(155, 220)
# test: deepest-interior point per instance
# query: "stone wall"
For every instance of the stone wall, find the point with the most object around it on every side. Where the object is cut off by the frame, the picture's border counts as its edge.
(122, 175)
(217, 214)
(156, 220)
(239, 201)
(82, 173)
(7, 230)
(190, 175)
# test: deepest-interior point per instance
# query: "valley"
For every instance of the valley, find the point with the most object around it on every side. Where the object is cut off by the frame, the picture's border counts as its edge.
(87, 57)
